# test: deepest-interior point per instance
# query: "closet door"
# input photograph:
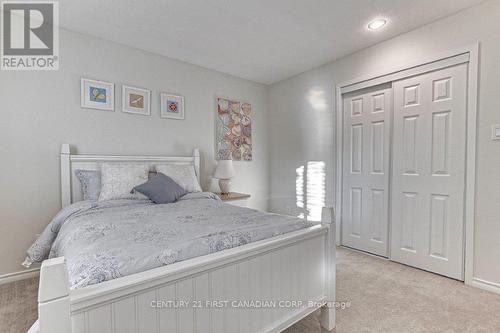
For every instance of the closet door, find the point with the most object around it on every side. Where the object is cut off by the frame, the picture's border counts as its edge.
(366, 136)
(428, 185)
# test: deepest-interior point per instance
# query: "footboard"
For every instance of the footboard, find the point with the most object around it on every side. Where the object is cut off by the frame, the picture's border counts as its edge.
(264, 286)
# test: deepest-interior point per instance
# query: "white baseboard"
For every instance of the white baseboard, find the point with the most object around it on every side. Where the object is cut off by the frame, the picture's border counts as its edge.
(486, 285)
(21, 275)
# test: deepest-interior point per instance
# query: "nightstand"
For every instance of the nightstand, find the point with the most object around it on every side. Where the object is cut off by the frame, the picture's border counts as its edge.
(236, 199)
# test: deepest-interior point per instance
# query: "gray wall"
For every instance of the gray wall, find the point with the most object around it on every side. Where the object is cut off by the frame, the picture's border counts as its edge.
(302, 107)
(41, 110)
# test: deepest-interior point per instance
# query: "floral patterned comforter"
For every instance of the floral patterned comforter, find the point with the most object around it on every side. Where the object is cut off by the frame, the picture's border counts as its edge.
(109, 239)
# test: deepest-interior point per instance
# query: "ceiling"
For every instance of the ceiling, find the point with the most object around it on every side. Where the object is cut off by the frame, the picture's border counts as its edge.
(260, 40)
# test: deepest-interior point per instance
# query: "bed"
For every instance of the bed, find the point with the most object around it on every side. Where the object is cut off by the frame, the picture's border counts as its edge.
(196, 265)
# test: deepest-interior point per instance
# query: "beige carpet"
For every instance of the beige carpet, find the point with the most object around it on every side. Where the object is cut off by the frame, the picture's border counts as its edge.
(385, 297)
(390, 297)
(18, 305)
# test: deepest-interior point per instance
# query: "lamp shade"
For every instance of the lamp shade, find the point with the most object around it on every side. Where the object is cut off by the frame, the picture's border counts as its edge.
(224, 170)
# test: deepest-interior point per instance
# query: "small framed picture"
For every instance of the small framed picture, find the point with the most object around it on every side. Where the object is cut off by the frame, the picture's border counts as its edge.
(97, 95)
(136, 100)
(171, 106)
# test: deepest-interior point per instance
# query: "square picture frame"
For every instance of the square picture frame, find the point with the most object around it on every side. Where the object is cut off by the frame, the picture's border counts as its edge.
(171, 106)
(136, 100)
(99, 95)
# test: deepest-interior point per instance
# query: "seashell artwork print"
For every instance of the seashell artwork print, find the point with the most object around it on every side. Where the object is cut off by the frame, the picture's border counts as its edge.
(233, 130)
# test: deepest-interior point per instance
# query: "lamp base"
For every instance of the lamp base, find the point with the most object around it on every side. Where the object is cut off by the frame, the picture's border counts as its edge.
(225, 186)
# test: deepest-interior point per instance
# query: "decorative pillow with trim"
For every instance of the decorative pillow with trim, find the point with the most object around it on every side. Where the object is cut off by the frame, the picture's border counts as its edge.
(118, 180)
(90, 181)
(182, 174)
(161, 189)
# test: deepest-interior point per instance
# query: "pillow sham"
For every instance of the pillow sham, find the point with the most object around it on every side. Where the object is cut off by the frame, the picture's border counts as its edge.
(161, 189)
(118, 180)
(182, 174)
(90, 181)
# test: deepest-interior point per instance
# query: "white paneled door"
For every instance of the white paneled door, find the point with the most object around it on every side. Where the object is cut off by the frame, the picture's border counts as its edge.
(366, 138)
(428, 171)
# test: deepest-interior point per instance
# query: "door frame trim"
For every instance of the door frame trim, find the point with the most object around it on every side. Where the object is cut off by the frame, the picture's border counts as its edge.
(423, 65)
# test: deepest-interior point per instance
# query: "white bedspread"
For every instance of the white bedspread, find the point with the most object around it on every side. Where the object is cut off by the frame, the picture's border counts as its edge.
(106, 240)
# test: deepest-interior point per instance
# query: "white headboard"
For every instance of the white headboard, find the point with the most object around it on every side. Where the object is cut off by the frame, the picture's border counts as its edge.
(70, 186)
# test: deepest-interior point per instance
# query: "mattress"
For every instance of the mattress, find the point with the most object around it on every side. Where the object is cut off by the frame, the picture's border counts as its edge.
(110, 239)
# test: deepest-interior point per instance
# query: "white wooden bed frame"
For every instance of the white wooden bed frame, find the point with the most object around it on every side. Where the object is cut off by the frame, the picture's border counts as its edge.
(297, 266)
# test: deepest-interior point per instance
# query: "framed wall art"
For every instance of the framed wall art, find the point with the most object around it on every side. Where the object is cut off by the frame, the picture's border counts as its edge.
(98, 95)
(136, 100)
(233, 130)
(171, 106)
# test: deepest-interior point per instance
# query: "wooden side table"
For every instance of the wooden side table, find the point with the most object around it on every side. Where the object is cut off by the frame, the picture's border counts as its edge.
(234, 198)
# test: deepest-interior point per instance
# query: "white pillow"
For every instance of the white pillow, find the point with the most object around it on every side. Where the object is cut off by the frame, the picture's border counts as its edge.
(182, 174)
(118, 179)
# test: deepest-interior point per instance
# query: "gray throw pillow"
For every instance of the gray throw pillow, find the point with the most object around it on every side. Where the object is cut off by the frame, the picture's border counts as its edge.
(161, 189)
(90, 181)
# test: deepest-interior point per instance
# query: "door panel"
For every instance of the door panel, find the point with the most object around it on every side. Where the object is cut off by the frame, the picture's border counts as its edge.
(366, 170)
(429, 171)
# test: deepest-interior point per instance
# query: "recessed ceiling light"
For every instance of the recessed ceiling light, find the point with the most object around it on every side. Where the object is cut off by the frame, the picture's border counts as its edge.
(377, 24)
